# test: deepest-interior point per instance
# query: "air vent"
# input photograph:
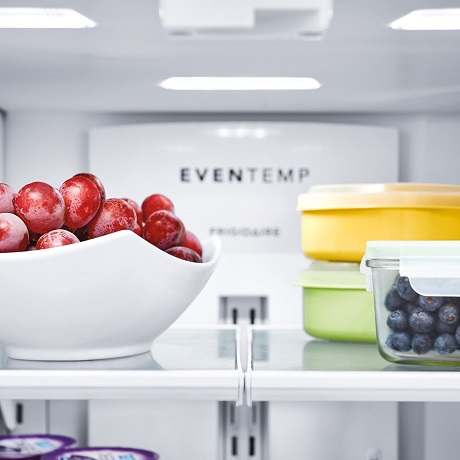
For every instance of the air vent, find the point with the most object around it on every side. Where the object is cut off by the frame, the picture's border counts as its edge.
(246, 18)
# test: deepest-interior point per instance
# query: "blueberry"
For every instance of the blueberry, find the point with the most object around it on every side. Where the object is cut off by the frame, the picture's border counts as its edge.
(398, 320)
(410, 307)
(445, 344)
(442, 327)
(405, 289)
(421, 343)
(429, 303)
(393, 301)
(449, 314)
(454, 300)
(399, 341)
(422, 321)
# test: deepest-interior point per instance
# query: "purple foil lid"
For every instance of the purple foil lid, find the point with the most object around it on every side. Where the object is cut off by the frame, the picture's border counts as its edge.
(101, 453)
(32, 446)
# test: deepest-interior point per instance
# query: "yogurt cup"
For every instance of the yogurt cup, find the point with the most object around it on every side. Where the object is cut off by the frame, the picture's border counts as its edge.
(101, 453)
(32, 446)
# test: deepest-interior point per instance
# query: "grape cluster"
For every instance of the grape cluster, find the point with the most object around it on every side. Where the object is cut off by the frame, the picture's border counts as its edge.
(40, 216)
(421, 323)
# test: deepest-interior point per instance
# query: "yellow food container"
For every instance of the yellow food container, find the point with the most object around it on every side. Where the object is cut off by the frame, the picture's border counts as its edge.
(338, 220)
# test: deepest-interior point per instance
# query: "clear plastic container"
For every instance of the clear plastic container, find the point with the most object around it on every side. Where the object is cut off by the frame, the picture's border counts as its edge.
(338, 220)
(416, 287)
(336, 303)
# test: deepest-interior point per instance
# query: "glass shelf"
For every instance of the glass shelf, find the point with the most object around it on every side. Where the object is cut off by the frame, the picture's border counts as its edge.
(290, 365)
(204, 364)
(187, 363)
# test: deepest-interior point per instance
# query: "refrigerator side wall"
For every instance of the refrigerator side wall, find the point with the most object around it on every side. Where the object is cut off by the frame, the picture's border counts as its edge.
(2, 146)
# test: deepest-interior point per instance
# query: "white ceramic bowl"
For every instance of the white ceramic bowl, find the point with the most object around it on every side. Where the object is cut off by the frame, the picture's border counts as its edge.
(105, 298)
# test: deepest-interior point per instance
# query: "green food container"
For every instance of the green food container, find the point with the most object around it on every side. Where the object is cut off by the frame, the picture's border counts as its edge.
(336, 303)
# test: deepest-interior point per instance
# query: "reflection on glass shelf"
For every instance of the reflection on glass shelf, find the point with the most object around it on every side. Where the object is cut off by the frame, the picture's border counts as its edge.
(294, 350)
(176, 349)
(421, 368)
(142, 361)
(200, 349)
(341, 356)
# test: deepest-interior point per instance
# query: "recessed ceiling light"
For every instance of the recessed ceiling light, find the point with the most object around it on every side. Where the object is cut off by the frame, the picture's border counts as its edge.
(432, 19)
(43, 18)
(240, 83)
(242, 132)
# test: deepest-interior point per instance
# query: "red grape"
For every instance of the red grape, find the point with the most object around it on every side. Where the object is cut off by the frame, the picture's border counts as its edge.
(82, 200)
(14, 235)
(40, 206)
(55, 238)
(33, 238)
(193, 243)
(136, 208)
(164, 230)
(184, 253)
(155, 203)
(138, 229)
(81, 233)
(96, 180)
(114, 215)
(7, 195)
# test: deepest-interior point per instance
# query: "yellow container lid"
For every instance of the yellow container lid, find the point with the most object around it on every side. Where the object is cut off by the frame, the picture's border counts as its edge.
(396, 195)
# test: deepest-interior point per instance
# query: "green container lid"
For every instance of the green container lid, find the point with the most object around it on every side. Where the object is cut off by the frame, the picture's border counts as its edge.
(332, 275)
(336, 304)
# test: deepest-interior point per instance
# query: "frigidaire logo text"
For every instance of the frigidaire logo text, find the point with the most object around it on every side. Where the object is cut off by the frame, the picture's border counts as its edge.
(269, 175)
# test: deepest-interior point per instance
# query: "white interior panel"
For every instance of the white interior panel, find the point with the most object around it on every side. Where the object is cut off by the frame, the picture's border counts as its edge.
(69, 418)
(413, 437)
(333, 430)
(175, 430)
(441, 436)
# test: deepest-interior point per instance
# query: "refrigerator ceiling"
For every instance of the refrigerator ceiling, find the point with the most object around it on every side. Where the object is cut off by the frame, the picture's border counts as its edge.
(362, 64)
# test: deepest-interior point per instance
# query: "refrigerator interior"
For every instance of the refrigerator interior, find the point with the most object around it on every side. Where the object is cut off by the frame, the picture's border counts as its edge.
(65, 94)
